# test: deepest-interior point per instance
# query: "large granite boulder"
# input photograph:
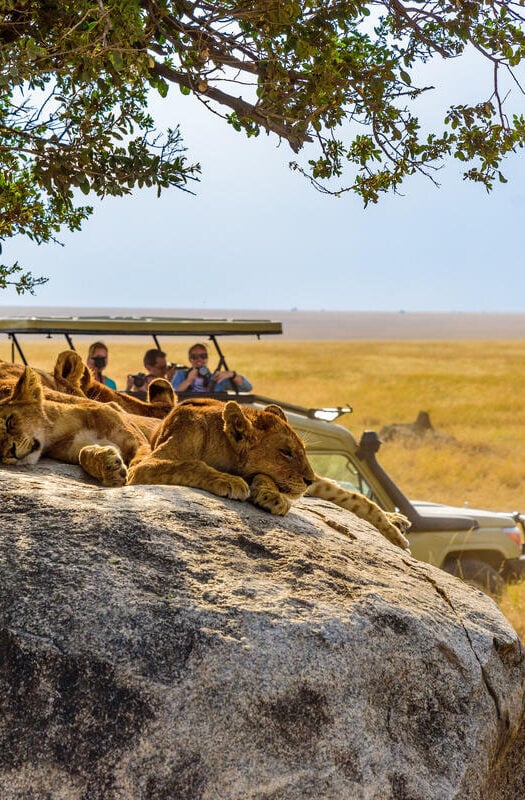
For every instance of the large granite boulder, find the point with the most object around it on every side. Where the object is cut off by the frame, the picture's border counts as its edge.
(158, 643)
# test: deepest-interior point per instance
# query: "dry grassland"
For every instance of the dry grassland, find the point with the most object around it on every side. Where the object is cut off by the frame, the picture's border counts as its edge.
(473, 391)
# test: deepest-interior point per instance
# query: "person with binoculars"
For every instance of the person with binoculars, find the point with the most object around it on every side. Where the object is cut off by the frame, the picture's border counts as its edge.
(97, 361)
(198, 377)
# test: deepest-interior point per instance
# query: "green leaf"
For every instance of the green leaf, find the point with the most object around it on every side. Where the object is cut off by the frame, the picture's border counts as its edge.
(162, 88)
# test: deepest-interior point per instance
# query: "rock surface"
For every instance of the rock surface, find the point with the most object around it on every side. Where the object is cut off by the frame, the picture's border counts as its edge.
(158, 643)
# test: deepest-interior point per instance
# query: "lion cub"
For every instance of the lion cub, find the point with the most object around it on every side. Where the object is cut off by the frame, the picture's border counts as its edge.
(100, 438)
(247, 453)
(73, 377)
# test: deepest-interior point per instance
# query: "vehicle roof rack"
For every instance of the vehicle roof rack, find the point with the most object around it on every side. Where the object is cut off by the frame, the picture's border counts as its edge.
(134, 326)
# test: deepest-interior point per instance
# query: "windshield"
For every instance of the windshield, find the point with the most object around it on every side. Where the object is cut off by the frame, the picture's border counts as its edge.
(338, 467)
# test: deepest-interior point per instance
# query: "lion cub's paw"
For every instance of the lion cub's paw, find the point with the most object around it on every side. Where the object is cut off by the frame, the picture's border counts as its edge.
(265, 494)
(104, 463)
(401, 522)
(229, 486)
(394, 535)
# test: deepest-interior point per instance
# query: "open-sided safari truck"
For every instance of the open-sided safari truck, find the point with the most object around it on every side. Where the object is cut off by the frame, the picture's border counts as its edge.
(485, 548)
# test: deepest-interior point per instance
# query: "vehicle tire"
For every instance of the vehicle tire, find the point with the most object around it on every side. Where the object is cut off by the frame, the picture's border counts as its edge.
(479, 574)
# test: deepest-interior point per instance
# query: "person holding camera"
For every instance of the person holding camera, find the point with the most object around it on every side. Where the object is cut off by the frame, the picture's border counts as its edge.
(97, 361)
(156, 366)
(198, 378)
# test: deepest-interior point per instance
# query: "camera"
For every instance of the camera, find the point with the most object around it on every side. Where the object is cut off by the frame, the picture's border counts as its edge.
(205, 374)
(100, 361)
(139, 379)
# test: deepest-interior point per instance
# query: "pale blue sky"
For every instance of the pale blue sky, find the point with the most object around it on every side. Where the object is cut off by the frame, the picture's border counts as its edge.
(257, 236)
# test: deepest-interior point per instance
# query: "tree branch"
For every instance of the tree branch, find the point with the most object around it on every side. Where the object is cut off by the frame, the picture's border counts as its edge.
(295, 138)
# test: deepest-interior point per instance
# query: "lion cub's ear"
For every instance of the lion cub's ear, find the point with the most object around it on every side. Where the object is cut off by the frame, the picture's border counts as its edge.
(70, 367)
(237, 426)
(277, 410)
(86, 380)
(28, 388)
(161, 391)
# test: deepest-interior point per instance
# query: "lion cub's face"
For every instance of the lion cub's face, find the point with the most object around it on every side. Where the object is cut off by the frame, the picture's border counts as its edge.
(22, 422)
(270, 447)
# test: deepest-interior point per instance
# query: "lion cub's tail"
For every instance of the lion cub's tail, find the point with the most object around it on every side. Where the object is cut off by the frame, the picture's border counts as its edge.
(391, 524)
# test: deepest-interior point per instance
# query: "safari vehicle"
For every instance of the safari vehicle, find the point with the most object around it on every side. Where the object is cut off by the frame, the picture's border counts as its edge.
(484, 548)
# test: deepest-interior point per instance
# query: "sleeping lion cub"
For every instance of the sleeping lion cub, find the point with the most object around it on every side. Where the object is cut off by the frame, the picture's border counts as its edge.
(103, 440)
(232, 451)
(247, 453)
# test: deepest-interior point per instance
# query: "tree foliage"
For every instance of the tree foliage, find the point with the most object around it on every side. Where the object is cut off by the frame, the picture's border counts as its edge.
(340, 76)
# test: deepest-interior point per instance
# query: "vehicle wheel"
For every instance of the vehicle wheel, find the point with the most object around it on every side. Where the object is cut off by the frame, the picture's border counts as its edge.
(479, 574)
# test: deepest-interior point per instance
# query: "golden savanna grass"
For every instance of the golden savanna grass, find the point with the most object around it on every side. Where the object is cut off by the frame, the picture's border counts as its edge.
(473, 390)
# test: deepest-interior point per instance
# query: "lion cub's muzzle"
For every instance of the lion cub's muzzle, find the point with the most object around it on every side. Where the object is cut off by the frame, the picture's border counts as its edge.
(295, 488)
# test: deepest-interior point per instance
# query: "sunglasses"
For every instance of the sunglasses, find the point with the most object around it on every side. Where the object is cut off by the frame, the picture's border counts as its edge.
(195, 356)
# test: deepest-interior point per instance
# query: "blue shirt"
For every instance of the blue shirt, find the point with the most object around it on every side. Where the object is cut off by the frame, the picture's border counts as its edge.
(201, 383)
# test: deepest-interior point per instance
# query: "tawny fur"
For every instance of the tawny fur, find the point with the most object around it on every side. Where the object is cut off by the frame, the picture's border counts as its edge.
(73, 377)
(222, 448)
(103, 440)
(244, 452)
(147, 415)
(390, 523)
(9, 374)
